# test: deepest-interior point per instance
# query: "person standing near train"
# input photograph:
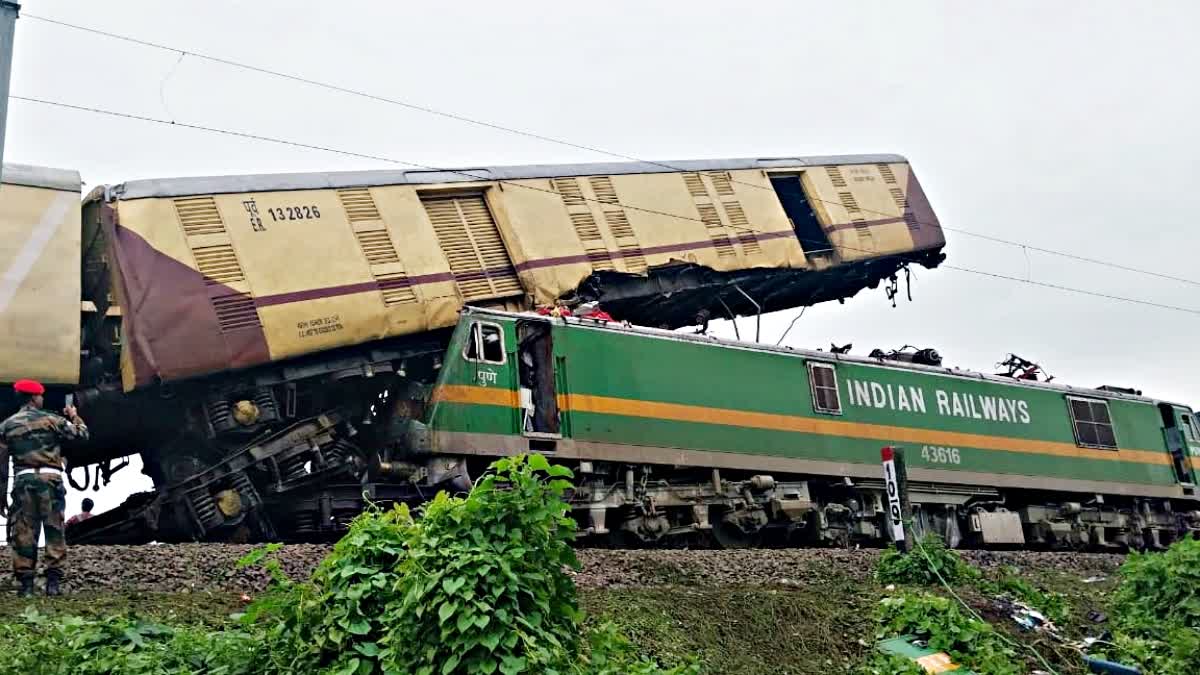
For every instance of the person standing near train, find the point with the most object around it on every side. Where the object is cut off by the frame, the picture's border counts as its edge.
(33, 437)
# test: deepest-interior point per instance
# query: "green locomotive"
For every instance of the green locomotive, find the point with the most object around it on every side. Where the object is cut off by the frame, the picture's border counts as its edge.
(679, 435)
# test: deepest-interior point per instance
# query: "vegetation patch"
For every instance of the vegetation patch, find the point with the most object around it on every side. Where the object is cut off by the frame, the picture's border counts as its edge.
(928, 564)
(754, 630)
(1011, 584)
(478, 584)
(1153, 618)
(1156, 611)
(943, 625)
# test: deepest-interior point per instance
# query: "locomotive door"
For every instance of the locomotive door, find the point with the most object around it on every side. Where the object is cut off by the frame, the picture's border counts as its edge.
(1177, 443)
(536, 368)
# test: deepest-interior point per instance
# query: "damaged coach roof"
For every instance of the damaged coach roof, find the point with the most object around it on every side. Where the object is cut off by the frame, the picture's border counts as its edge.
(175, 187)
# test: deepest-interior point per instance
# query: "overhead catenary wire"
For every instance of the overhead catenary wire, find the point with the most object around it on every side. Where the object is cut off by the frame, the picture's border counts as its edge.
(348, 153)
(392, 160)
(566, 143)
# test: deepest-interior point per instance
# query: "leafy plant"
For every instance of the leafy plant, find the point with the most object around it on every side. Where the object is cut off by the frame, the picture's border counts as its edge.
(482, 586)
(1156, 610)
(477, 584)
(1160, 588)
(880, 663)
(942, 624)
(924, 564)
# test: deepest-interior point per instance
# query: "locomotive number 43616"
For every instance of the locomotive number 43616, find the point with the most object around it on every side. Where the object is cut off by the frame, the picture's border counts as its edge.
(935, 454)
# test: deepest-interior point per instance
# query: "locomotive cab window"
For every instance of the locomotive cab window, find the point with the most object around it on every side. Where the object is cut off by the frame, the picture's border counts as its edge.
(1093, 424)
(826, 398)
(485, 344)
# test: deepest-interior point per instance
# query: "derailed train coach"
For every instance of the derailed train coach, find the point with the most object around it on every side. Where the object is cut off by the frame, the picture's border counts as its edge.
(676, 435)
(231, 272)
(39, 289)
(223, 310)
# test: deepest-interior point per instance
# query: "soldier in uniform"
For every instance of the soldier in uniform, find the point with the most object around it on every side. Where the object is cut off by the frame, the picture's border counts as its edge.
(32, 437)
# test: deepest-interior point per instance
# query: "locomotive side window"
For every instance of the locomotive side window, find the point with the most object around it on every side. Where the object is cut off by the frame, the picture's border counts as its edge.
(486, 344)
(1093, 425)
(826, 399)
(1188, 430)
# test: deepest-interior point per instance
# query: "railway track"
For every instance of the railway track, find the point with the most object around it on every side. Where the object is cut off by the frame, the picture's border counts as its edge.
(176, 568)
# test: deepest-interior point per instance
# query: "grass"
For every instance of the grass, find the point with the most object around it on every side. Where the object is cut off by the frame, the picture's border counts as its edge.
(782, 630)
(194, 608)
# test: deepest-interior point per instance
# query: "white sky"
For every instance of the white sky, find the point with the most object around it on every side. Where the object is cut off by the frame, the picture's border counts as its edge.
(1068, 125)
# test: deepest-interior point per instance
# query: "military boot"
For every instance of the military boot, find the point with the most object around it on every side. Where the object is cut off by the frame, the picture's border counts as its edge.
(53, 581)
(25, 590)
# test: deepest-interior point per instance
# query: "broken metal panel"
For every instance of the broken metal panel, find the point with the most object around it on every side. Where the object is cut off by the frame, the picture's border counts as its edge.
(871, 210)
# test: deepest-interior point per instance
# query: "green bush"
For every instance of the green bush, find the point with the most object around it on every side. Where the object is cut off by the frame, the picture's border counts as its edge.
(476, 585)
(1156, 610)
(927, 564)
(1160, 588)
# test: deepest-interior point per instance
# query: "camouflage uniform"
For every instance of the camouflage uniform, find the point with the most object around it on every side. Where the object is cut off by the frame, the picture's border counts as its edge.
(32, 438)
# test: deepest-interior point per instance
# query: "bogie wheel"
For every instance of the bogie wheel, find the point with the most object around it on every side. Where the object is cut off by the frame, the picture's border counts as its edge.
(730, 536)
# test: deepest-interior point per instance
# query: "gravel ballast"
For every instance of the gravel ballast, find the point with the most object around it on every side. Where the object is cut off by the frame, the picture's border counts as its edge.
(174, 568)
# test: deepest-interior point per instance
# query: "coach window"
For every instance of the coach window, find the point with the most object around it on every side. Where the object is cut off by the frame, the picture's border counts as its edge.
(1093, 425)
(823, 377)
(486, 344)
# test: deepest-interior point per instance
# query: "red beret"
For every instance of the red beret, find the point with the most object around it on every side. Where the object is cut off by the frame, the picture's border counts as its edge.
(31, 387)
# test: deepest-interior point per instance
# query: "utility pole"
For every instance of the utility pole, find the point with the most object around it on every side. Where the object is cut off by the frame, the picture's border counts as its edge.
(8, 21)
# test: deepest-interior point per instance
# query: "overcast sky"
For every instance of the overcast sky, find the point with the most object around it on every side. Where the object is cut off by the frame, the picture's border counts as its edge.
(1067, 125)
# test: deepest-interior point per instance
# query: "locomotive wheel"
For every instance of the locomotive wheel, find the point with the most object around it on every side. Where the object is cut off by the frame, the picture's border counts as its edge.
(730, 536)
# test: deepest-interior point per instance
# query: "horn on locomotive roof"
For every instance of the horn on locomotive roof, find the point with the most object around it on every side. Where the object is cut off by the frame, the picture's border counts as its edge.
(1023, 369)
(922, 357)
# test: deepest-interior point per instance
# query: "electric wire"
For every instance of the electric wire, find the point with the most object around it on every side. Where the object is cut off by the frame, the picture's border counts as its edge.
(391, 160)
(571, 144)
